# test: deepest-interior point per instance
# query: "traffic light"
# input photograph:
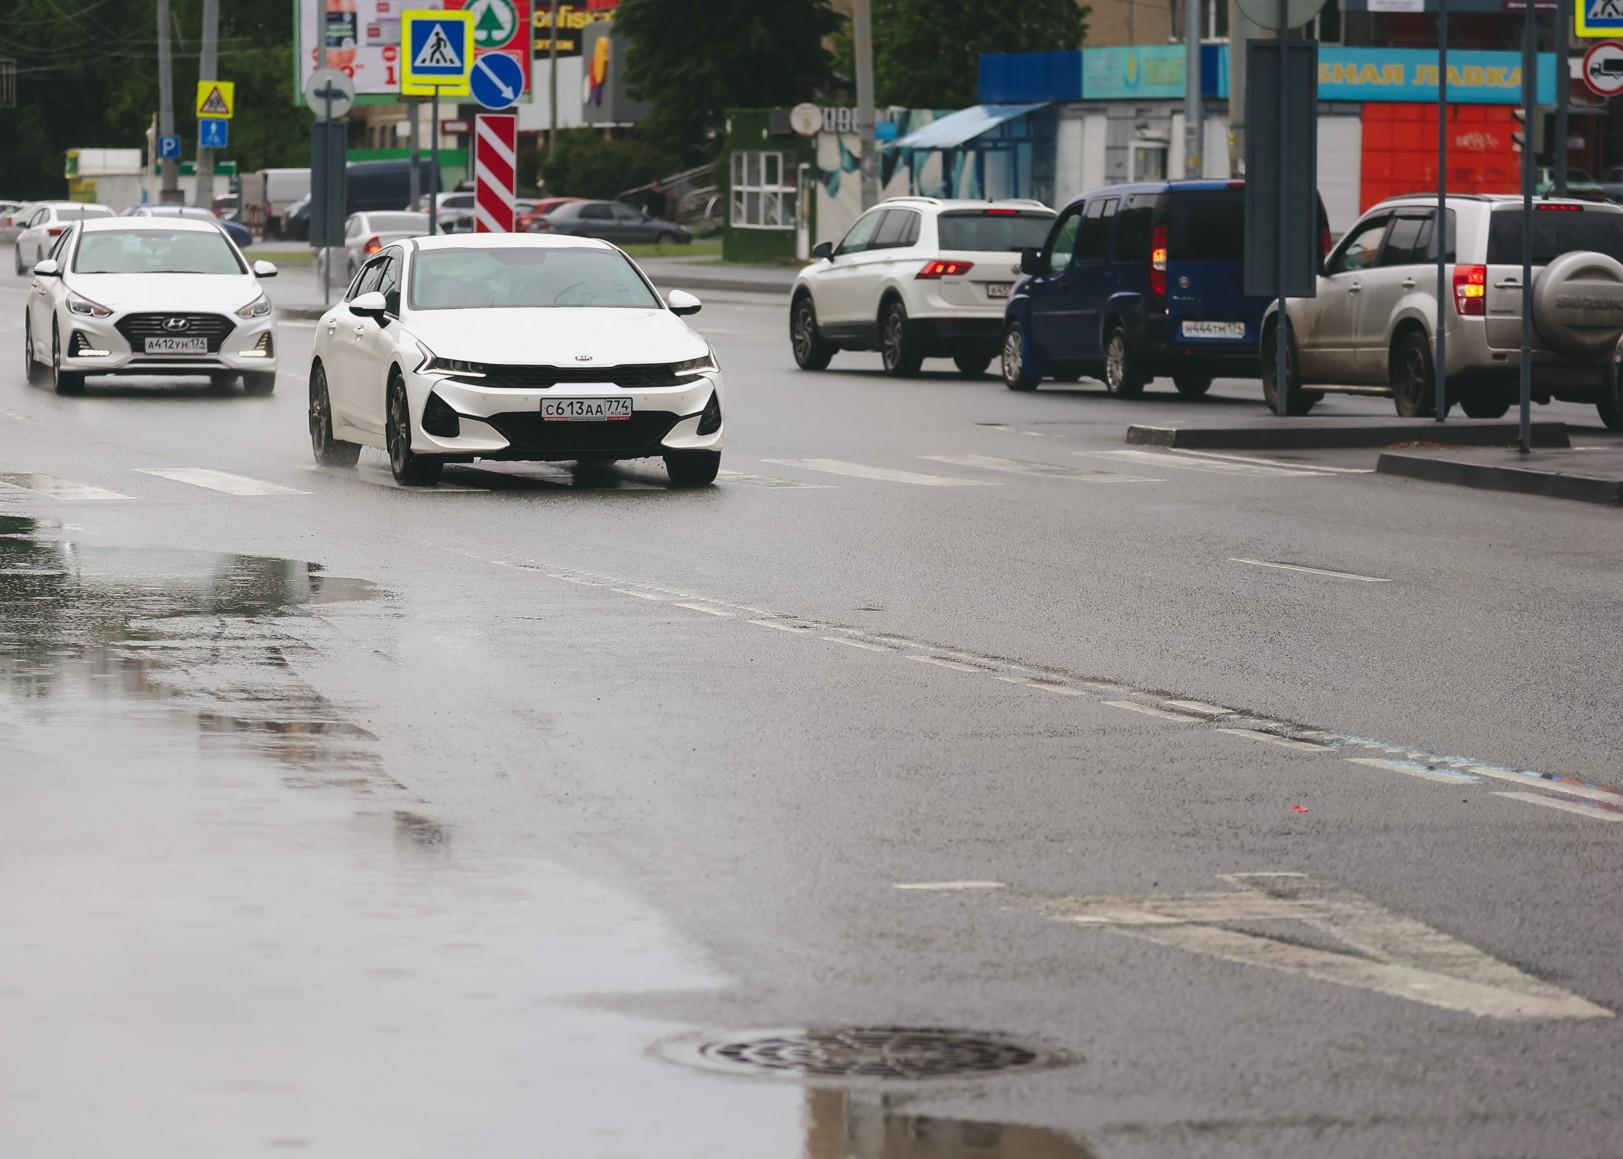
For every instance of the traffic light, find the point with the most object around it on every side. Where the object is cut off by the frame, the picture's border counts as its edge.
(1519, 134)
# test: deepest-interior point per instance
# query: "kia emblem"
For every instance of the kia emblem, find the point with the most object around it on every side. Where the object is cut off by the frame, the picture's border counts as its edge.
(177, 324)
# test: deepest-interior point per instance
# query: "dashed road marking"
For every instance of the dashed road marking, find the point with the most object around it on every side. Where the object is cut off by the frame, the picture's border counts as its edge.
(942, 662)
(948, 886)
(771, 482)
(222, 481)
(1415, 769)
(1596, 812)
(54, 487)
(1180, 717)
(1042, 685)
(1281, 741)
(776, 626)
(882, 474)
(1167, 460)
(1346, 575)
(850, 643)
(640, 595)
(709, 611)
(1570, 786)
(1199, 707)
(1038, 470)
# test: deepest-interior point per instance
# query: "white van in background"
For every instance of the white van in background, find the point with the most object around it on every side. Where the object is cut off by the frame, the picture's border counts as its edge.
(266, 196)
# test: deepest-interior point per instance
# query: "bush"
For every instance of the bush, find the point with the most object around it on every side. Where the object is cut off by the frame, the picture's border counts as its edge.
(588, 164)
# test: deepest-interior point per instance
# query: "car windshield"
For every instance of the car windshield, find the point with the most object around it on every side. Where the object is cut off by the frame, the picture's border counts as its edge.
(156, 251)
(82, 212)
(993, 232)
(509, 277)
(1555, 232)
(398, 222)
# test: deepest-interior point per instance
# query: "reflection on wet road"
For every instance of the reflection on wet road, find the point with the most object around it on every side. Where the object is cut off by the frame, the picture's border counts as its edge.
(864, 1125)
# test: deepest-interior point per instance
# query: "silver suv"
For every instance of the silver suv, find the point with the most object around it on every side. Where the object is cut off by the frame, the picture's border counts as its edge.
(1371, 327)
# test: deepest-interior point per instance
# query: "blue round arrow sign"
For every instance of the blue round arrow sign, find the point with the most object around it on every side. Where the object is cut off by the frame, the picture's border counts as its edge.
(497, 80)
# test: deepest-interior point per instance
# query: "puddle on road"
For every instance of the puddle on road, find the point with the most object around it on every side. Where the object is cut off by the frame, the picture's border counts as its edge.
(859, 1125)
(196, 639)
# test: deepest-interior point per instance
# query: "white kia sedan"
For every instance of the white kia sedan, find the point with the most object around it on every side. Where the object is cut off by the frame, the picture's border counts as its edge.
(512, 346)
(149, 295)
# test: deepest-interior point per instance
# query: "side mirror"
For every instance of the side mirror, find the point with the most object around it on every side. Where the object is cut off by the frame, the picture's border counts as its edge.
(682, 302)
(47, 268)
(824, 250)
(263, 269)
(1031, 261)
(369, 305)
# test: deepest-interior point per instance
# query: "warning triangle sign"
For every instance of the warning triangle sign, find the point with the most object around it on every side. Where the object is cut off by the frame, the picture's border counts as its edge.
(214, 105)
(437, 52)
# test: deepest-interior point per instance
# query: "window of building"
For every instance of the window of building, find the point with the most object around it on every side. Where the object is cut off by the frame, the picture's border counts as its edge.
(1214, 22)
(763, 191)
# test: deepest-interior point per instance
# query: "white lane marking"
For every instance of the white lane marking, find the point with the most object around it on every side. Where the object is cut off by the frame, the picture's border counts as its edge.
(378, 477)
(948, 886)
(1163, 714)
(776, 626)
(943, 663)
(883, 474)
(1567, 786)
(54, 487)
(1346, 575)
(575, 579)
(1199, 707)
(1038, 470)
(14, 416)
(1312, 467)
(640, 595)
(772, 483)
(702, 608)
(218, 481)
(850, 643)
(1392, 954)
(1596, 812)
(1282, 741)
(1163, 460)
(1417, 770)
(1041, 685)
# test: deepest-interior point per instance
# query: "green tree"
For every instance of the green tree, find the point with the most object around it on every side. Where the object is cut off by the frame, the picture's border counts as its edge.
(694, 59)
(927, 52)
(586, 164)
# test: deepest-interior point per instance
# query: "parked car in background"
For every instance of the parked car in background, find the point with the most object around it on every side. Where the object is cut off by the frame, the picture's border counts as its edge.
(526, 219)
(268, 195)
(612, 221)
(1138, 282)
(1374, 320)
(1579, 183)
(296, 220)
(384, 184)
(234, 230)
(367, 233)
(455, 211)
(915, 278)
(12, 220)
(226, 207)
(46, 224)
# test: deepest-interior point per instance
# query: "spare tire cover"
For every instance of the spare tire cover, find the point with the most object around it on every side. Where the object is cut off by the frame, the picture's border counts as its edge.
(1578, 304)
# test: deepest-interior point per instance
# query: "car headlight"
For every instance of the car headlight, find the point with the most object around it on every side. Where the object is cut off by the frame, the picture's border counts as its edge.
(258, 308)
(453, 366)
(86, 308)
(694, 366)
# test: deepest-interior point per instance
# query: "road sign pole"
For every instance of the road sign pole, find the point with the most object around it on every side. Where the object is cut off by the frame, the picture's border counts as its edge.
(1439, 230)
(1281, 338)
(207, 69)
(169, 193)
(1529, 111)
(1563, 91)
(434, 165)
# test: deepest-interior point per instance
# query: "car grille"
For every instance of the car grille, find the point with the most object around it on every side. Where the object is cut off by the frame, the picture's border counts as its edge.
(136, 328)
(508, 377)
(640, 434)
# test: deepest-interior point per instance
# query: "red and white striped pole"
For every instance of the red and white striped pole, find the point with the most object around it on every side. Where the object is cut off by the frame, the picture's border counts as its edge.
(495, 172)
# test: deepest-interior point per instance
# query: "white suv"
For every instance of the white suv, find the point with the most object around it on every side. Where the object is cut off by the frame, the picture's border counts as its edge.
(915, 278)
(1373, 321)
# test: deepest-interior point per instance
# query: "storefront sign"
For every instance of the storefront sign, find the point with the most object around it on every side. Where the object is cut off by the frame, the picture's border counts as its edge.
(574, 17)
(1136, 72)
(1410, 74)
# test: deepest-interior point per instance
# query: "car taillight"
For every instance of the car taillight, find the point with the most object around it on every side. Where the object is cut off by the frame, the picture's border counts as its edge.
(1325, 245)
(1558, 207)
(373, 245)
(999, 212)
(944, 269)
(1471, 291)
(54, 230)
(1158, 262)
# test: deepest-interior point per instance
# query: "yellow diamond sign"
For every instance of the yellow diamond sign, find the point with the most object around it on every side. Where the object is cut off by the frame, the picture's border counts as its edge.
(216, 98)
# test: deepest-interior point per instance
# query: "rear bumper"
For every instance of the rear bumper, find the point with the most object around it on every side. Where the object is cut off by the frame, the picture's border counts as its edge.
(953, 335)
(1157, 341)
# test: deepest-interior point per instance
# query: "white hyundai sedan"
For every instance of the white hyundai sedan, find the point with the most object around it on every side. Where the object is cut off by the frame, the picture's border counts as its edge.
(149, 295)
(512, 346)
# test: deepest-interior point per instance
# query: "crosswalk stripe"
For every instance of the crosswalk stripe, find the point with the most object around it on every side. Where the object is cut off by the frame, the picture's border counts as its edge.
(219, 481)
(55, 487)
(1167, 460)
(883, 474)
(1039, 470)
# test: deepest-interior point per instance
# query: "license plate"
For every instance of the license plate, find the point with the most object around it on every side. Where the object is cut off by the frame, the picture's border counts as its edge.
(585, 410)
(998, 289)
(1214, 330)
(177, 346)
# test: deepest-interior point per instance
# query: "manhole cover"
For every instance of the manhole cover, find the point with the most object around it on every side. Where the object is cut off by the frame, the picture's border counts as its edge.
(880, 1052)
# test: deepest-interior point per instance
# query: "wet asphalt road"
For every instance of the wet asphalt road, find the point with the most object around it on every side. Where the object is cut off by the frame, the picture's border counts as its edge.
(344, 820)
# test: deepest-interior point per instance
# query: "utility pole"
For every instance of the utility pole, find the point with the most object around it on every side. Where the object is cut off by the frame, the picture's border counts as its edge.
(862, 36)
(208, 65)
(414, 185)
(552, 82)
(169, 193)
(1194, 127)
(1240, 30)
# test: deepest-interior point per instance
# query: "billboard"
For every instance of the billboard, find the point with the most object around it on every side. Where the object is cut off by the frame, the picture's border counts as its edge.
(574, 17)
(362, 38)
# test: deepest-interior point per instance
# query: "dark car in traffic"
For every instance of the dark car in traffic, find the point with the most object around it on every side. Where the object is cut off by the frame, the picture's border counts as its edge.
(612, 221)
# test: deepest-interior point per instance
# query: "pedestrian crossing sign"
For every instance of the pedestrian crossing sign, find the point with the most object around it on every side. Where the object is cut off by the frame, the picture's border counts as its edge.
(436, 52)
(1599, 18)
(216, 98)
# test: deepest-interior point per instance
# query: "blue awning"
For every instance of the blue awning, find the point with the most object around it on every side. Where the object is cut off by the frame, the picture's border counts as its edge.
(952, 130)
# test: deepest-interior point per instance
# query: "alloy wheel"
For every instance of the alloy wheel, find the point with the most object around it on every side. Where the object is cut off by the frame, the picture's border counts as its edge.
(893, 338)
(1115, 361)
(320, 413)
(399, 435)
(803, 330)
(28, 347)
(1014, 356)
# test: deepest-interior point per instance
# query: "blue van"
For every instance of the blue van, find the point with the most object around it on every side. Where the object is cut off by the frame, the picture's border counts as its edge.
(1137, 282)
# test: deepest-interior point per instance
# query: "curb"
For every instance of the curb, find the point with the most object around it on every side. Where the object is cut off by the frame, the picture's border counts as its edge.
(1328, 434)
(1489, 477)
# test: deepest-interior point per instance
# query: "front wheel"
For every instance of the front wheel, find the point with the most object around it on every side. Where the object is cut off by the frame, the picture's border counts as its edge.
(328, 451)
(65, 382)
(30, 366)
(1492, 405)
(692, 468)
(1414, 387)
(1610, 406)
(1297, 400)
(899, 351)
(408, 467)
(1123, 374)
(1192, 385)
(972, 365)
(1017, 372)
(812, 352)
(259, 385)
